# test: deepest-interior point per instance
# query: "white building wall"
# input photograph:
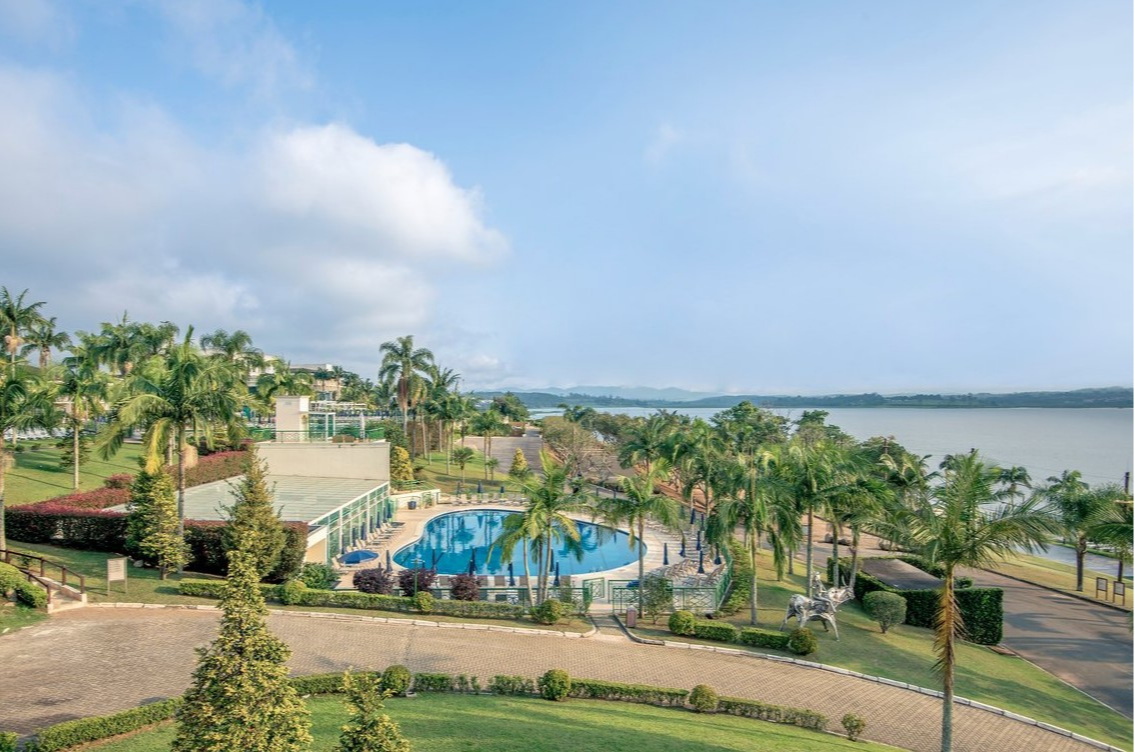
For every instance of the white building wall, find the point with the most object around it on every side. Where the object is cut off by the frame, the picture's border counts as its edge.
(364, 460)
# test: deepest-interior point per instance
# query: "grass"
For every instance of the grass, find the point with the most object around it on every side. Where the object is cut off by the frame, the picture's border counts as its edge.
(434, 474)
(38, 476)
(1055, 575)
(145, 586)
(15, 616)
(905, 654)
(465, 723)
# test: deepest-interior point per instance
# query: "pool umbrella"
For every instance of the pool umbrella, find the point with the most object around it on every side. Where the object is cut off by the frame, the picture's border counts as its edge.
(473, 562)
(389, 565)
(511, 576)
(703, 520)
(682, 550)
(693, 515)
(556, 582)
(665, 555)
(701, 562)
(502, 489)
(698, 546)
(717, 558)
(479, 489)
(433, 559)
(358, 557)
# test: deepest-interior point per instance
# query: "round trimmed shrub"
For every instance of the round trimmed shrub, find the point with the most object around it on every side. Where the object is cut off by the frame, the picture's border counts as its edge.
(378, 581)
(682, 622)
(548, 612)
(319, 576)
(703, 698)
(464, 587)
(555, 684)
(853, 724)
(423, 601)
(802, 641)
(290, 592)
(396, 679)
(886, 608)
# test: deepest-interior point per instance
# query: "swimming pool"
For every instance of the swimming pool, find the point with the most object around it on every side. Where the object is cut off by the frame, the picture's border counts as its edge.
(450, 541)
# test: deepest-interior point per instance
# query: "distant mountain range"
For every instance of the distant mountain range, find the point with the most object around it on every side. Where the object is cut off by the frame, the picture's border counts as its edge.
(610, 397)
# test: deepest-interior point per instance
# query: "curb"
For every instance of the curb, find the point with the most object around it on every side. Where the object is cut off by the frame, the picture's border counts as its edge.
(877, 679)
(368, 619)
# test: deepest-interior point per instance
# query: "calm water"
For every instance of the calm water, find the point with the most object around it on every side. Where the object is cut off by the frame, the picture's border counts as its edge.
(1097, 442)
(450, 541)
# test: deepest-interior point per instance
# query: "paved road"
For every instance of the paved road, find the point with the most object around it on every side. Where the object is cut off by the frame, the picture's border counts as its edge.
(1085, 644)
(96, 661)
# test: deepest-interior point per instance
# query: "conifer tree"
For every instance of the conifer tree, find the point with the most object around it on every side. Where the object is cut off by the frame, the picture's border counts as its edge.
(152, 525)
(369, 730)
(401, 470)
(253, 525)
(519, 468)
(240, 698)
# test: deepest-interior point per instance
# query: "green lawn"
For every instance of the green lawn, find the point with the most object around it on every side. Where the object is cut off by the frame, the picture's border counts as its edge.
(434, 474)
(905, 654)
(1056, 575)
(464, 723)
(38, 476)
(15, 616)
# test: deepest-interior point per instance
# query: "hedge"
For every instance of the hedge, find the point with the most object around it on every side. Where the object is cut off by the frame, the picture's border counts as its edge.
(593, 689)
(762, 638)
(772, 713)
(83, 730)
(715, 630)
(27, 593)
(505, 684)
(981, 609)
(433, 683)
(8, 741)
(739, 580)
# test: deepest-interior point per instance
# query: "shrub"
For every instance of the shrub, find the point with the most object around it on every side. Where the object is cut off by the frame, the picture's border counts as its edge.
(415, 580)
(423, 601)
(318, 576)
(548, 612)
(82, 730)
(657, 596)
(378, 580)
(291, 592)
(31, 594)
(119, 480)
(886, 608)
(464, 587)
(715, 630)
(396, 679)
(802, 641)
(8, 741)
(593, 689)
(503, 684)
(682, 622)
(962, 582)
(434, 683)
(318, 684)
(703, 698)
(555, 684)
(772, 713)
(763, 638)
(742, 573)
(853, 724)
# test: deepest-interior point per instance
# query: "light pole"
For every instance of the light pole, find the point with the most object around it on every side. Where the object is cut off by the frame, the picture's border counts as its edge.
(417, 567)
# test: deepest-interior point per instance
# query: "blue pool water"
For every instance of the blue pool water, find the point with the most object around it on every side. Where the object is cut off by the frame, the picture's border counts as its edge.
(451, 540)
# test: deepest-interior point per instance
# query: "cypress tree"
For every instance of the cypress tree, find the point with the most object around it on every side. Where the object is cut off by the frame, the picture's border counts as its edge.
(152, 524)
(519, 469)
(369, 730)
(241, 698)
(253, 525)
(401, 470)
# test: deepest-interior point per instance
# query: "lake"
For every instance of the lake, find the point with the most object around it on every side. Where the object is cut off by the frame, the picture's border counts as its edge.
(1097, 442)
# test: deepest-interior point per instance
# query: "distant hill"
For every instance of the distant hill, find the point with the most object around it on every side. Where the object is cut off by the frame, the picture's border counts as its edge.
(1079, 398)
(667, 394)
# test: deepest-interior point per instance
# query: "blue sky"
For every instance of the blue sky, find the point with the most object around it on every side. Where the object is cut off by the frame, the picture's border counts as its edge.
(764, 197)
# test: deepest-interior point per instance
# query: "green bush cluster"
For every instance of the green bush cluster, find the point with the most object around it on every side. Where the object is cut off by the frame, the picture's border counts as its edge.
(318, 684)
(291, 592)
(83, 730)
(886, 608)
(554, 685)
(722, 631)
(423, 602)
(8, 741)
(853, 724)
(548, 612)
(503, 684)
(13, 580)
(703, 698)
(763, 638)
(593, 689)
(318, 576)
(802, 641)
(397, 679)
(739, 582)
(434, 683)
(981, 608)
(682, 622)
(772, 713)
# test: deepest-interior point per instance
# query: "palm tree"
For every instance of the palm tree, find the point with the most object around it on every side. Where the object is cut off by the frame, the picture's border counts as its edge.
(524, 528)
(645, 442)
(403, 365)
(282, 380)
(1078, 509)
(488, 424)
(17, 319)
(638, 503)
(25, 402)
(170, 397)
(42, 337)
(1115, 526)
(116, 345)
(699, 451)
(85, 389)
(462, 455)
(236, 348)
(551, 504)
(814, 469)
(963, 522)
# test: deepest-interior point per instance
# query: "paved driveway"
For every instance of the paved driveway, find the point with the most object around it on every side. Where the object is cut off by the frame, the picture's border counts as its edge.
(95, 661)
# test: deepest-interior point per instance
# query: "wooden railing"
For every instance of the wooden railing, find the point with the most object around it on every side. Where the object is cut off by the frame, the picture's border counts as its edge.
(46, 569)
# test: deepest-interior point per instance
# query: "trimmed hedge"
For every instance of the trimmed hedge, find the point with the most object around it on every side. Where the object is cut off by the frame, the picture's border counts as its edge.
(506, 684)
(593, 689)
(83, 730)
(8, 741)
(981, 609)
(715, 630)
(434, 683)
(772, 713)
(739, 582)
(27, 593)
(762, 638)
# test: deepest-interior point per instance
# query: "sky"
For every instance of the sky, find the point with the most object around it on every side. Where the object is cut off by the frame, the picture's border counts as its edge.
(762, 197)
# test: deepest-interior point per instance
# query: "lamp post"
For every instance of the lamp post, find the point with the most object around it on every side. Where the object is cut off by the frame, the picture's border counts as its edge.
(417, 568)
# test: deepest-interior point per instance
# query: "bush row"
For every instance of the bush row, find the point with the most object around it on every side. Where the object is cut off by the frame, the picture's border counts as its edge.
(593, 689)
(684, 623)
(83, 730)
(808, 719)
(13, 580)
(740, 579)
(981, 609)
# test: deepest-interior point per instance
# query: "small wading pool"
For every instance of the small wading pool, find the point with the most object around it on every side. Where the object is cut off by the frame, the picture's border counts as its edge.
(451, 540)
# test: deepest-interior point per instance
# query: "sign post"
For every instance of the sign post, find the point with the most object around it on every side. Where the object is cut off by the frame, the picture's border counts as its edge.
(1101, 587)
(116, 570)
(1119, 588)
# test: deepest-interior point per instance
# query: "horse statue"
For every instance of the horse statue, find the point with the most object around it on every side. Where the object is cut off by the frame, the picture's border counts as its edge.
(822, 606)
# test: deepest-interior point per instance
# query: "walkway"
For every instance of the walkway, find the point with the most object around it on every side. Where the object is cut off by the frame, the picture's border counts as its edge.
(98, 661)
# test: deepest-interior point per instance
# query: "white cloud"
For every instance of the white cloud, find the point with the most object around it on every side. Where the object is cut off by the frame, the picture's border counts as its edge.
(36, 22)
(665, 139)
(319, 241)
(237, 44)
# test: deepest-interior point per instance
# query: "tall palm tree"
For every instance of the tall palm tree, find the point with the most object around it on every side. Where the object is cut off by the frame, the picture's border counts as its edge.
(85, 388)
(525, 528)
(17, 319)
(116, 345)
(645, 442)
(236, 348)
(171, 397)
(964, 522)
(282, 380)
(403, 366)
(1078, 509)
(814, 467)
(638, 503)
(699, 451)
(488, 424)
(1115, 526)
(42, 337)
(552, 503)
(25, 402)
